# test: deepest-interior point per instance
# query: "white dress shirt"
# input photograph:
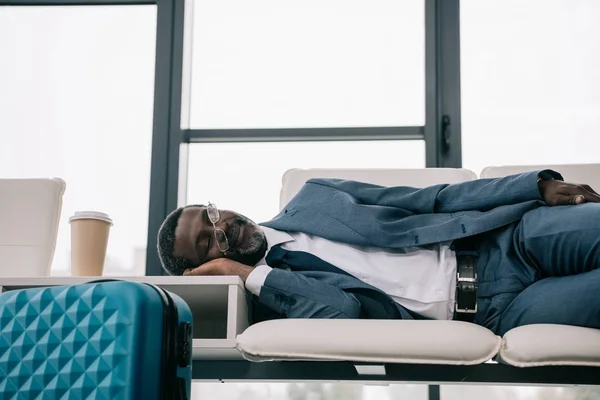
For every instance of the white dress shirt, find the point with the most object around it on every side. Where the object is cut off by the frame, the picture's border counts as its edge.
(421, 279)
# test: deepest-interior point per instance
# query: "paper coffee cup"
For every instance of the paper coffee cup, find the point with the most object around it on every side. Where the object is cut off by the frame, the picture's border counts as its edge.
(89, 240)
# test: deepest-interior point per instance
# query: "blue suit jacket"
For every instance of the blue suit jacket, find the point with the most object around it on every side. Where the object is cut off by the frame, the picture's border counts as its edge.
(387, 217)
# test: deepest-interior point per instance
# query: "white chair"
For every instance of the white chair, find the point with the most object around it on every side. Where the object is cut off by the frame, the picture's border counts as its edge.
(545, 344)
(29, 214)
(421, 342)
(575, 173)
(416, 342)
(294, 179)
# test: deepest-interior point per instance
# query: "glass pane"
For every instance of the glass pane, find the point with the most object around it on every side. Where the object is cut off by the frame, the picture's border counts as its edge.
(314, 63)
(76, 99)
(530, 82)
(465, 392)
(246, 177)
(306, 391)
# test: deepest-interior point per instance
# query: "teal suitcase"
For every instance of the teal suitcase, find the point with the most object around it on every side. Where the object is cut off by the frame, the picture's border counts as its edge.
(104, 340)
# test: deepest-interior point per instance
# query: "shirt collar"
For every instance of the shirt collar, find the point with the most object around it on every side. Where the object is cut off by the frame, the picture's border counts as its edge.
(274, 238)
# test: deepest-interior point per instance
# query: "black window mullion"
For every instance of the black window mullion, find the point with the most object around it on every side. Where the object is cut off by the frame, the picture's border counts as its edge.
(303, 134)
(166, 132)
(442, 87)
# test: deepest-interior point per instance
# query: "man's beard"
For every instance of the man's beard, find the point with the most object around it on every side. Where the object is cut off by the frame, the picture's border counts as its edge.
(254, 250)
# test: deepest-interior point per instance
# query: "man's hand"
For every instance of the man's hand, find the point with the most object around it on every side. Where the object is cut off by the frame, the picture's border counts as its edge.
(559, 193)
(221, 266)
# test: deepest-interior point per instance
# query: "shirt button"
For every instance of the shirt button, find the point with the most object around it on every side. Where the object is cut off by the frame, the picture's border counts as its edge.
(438, 292)
(401, 290)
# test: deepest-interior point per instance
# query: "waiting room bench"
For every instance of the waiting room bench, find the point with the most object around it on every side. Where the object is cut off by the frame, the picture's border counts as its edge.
(429, 351)
(226, 348)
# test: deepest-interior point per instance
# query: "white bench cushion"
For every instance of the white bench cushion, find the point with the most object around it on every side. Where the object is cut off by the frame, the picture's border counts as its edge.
(545, 344)
(294, 179)
(574, 173)
(437, 342)
(386, 341)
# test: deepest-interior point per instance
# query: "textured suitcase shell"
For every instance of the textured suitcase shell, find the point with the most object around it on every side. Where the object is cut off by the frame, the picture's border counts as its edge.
(90, 341)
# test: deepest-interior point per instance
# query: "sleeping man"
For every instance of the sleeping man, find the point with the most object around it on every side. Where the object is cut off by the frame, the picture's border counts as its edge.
(501, 253)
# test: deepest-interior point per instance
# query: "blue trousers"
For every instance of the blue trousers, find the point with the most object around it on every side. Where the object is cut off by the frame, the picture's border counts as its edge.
(543, 269)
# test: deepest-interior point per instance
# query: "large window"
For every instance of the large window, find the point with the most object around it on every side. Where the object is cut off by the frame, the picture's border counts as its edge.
(76, 96)
(246, 177)
(312, 84)
(530, 82)
(307, 391)
(467, 392)
(350, 391)
(273, 64)
(290, 64)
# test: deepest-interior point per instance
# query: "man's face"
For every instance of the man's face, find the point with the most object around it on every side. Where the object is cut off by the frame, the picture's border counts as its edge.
(195, 239)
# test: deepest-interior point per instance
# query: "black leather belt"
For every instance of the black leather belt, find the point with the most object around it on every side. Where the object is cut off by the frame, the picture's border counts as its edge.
(465, 299)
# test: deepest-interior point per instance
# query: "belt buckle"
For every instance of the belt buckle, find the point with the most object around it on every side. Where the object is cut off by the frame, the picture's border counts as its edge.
(466, 310)
(467, 282)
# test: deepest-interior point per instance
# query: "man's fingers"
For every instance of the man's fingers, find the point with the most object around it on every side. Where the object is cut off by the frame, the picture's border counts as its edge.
(557, 193)
(195, 271)
(589, 196)
(578, 199)
(577, 194)
(589, 189)
(190, 271)
(568, 199)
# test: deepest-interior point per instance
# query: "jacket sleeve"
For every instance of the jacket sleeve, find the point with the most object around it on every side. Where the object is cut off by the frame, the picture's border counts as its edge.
(475, 195)
(297, 296)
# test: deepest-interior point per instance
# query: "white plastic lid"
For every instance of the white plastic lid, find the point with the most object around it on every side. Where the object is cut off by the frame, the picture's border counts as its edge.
(91, 215)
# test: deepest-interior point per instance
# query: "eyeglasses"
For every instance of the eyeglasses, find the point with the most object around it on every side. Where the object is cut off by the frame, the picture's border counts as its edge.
(220, 237)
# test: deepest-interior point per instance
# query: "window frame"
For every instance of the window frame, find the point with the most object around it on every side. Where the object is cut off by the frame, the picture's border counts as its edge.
(441, 131)
(162, 85)
(173, 63)
(170, 146)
